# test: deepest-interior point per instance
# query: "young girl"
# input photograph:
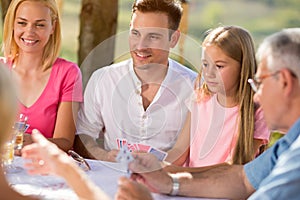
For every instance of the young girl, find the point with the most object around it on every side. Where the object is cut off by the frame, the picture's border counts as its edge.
(50, 87)
(224, 124)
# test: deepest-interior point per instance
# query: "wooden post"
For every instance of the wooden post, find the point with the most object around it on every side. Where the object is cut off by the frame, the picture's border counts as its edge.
(98, 22)
(4, 6)
(183, 27)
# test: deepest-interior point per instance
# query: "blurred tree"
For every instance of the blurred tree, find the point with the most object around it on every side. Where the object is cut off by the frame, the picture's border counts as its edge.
(4, 7)
(98, 23)
(214, 13)
(183, 27)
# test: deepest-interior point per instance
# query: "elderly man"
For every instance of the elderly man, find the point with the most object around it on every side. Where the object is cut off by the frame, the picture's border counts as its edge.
(273, 175)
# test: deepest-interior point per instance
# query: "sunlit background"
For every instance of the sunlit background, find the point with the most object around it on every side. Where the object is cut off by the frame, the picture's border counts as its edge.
(260, 17)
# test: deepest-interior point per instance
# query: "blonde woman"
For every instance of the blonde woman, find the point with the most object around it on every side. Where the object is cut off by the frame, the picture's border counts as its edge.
(50, 87)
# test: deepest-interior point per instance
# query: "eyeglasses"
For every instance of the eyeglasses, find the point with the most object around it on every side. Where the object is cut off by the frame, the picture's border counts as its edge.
(257, 81)
(80, 160)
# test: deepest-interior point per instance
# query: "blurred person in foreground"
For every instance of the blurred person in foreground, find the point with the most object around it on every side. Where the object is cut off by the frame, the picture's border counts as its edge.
(7, 115)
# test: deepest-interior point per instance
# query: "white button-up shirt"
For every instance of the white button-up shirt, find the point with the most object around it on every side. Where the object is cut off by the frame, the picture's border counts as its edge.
(113, 106)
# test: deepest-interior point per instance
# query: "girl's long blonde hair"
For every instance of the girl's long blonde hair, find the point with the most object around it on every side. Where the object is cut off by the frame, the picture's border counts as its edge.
(236, 43)
(52, 48)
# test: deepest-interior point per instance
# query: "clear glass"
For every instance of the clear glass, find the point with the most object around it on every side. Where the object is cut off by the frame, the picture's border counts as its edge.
(20, 128)
(8, 153)
(19, 133)
(8, 158)
(14, 143)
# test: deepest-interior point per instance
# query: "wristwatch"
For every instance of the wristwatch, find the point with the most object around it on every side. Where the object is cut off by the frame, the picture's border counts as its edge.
(175, 186)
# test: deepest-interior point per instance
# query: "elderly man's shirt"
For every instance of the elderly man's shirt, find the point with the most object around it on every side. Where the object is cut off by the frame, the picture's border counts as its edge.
(259, 169)
(284, 181)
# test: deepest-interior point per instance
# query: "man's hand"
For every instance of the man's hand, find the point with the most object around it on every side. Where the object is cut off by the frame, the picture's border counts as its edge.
(111, 155)
(131, 190)
(87, 147)
(148, 171)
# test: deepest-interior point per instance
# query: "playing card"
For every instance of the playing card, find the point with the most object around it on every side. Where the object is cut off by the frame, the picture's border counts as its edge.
(118, 143)
(161, 155)
(124, 142)
(143, 147)
(132, 147)
(124, 157)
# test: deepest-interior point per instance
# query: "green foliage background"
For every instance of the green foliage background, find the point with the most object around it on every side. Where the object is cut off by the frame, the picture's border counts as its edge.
(260, 17)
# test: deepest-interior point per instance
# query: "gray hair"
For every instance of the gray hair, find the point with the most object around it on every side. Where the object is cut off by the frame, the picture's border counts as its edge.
(282, 50)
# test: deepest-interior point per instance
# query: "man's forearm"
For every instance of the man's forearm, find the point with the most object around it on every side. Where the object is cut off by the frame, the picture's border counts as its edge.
(87, 147)
(175, 169)
(226, 181)
(62, 143)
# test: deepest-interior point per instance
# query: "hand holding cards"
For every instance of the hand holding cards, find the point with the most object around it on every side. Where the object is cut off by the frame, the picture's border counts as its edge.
(124, 157)
(133, 147)
(160, 155)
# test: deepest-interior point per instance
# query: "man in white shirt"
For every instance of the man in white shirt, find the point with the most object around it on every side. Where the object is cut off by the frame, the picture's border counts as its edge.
(139, 102)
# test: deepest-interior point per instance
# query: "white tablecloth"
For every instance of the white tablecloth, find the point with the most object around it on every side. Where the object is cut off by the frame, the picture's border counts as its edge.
(104, 174)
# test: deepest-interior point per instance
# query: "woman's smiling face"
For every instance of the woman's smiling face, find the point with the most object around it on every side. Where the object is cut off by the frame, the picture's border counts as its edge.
(32, 26)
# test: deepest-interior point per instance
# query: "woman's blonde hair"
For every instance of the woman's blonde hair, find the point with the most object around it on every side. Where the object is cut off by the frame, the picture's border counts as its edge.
(8, 104)
(237, 43)
(52, 48)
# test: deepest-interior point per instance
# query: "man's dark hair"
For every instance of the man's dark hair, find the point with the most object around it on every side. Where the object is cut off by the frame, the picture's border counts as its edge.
(172, 8)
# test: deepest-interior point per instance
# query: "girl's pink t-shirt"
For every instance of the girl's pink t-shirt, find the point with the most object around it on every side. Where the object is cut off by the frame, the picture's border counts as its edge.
(214, 132)
(64, 85)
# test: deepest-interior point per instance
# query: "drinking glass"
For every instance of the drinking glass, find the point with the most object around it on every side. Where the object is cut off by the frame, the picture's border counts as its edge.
(8, 158)
(8, 153)
(19, 135)
(20, 127)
